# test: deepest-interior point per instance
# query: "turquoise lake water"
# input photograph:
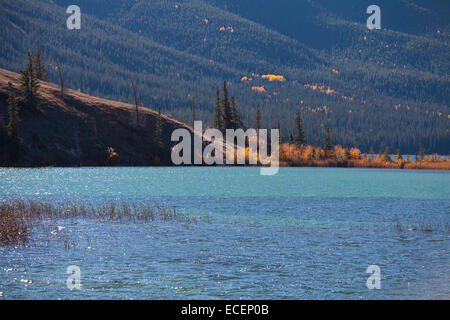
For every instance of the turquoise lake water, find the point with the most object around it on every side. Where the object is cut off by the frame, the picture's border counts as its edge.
(306, 233)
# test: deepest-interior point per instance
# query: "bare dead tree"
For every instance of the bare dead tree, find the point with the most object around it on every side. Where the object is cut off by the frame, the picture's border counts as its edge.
(77, 145)
(193, 111)
(61, 80)
(136, 102)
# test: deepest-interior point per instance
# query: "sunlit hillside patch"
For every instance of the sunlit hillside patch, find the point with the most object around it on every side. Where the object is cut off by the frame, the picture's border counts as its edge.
(348, 98)
(320, 88)
(259, 89)
(318, 109)
(273, 77)
(229, 28)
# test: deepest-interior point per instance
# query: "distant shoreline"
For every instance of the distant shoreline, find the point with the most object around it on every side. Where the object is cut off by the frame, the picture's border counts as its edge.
(351, 165)
(373, 164)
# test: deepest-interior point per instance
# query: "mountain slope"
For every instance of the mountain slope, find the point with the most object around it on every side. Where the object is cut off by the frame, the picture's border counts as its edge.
(384, 88)
(80, 129)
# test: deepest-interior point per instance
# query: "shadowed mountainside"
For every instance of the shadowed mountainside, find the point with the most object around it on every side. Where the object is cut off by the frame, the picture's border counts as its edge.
(79, 129)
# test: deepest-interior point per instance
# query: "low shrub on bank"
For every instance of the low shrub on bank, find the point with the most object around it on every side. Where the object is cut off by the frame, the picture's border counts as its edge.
(292, 155)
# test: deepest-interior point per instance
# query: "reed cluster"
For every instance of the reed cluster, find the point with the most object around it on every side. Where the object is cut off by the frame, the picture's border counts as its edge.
(17, 217)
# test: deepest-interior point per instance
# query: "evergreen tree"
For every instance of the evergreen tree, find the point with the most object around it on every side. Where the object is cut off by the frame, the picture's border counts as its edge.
(291, 138)
(227, 115)
(386, 156)
(40, 69)
(347, 154)
(421, 154)
(29, 86)
(159, 130)
(236, 119)
(62, 85)
(399, 155)
(300, 137)
(258, 119)
(328, 147)
(217, 121)
(280, 133)
(136, 100)
(14, 139)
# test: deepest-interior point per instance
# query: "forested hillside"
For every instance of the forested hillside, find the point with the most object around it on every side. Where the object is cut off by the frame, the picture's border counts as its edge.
(78, 129)
(380, 88)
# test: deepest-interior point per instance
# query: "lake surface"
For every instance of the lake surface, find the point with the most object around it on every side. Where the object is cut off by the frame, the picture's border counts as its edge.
(306, 233)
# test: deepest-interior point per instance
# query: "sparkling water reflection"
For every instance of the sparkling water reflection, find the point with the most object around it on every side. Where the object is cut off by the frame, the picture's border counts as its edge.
(303, 234)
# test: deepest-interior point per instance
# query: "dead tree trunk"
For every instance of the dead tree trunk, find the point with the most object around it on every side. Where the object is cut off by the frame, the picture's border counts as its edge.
(193, 111)
(136, 102)
(60, 79)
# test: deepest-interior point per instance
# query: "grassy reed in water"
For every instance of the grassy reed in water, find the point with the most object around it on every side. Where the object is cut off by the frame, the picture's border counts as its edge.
(18, 216)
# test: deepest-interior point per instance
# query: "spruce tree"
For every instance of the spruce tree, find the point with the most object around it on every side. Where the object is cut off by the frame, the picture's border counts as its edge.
(347, 154)
(39, 65)
(291, 138)
(399, 155)
(226, 110)
(236, 119)
(217, 121)
(136, 101)
(386, 156)
(29, 86)
(421, 154)
(280, 133)
(62, 85)
(328, 147)
(258, 119)
(14, 139)
(300, 137)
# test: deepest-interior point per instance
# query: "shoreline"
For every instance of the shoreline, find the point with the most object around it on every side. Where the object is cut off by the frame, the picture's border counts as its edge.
(439, 166)
(372, 164)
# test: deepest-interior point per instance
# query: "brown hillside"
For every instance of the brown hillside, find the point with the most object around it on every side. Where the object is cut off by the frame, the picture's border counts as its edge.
(79, 129)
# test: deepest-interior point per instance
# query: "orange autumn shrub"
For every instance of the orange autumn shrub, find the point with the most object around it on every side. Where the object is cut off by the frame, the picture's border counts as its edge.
(340, 153)
(355, 153)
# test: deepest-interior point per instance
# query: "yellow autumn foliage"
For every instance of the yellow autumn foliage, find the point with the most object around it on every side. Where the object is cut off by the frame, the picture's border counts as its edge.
(355, 153)
(273, 77)
(259, 89)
